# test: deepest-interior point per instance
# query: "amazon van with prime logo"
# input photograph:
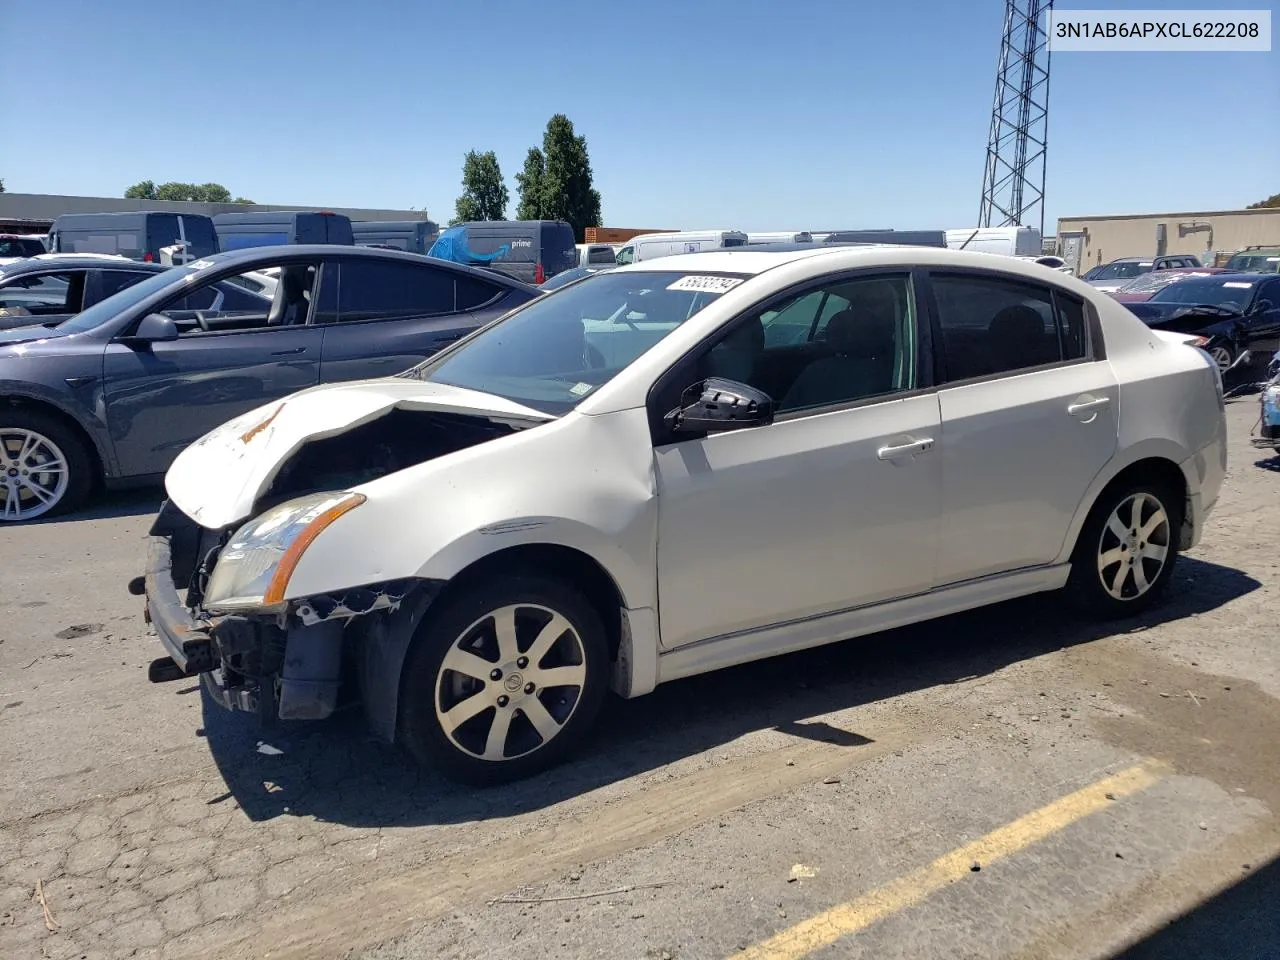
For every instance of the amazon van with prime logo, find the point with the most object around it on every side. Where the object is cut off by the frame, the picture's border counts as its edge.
(530, 250)
(647, 246)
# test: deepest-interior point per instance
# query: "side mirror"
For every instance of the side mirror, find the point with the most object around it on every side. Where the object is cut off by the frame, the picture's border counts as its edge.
(1263, 306)
(716, 405)
(156, 327)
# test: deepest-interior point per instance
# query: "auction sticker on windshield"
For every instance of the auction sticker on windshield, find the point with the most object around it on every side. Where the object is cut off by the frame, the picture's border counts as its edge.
(706, 284)
(1236, 285)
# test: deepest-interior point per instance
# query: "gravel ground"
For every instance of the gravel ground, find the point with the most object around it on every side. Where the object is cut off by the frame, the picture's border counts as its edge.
(158, 826)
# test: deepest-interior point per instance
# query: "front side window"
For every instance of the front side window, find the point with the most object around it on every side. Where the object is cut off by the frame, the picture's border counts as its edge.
(991, 325)
(626, 255)
(228, 306)
(20, 247)
(373, 290)
(841, 343)
(554, 352)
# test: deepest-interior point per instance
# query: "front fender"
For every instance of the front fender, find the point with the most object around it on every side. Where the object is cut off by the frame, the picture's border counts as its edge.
(85, 416)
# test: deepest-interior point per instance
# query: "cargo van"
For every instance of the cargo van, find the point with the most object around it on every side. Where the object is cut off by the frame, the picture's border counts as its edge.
(596, 255)
(528, 250)
(416, 236)
(1011, 241)
(269, 228)
(780, 236)
(910, 238)
(647, 246)
(136, 235)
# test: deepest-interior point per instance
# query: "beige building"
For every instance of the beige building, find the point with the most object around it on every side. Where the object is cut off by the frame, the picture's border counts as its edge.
(1206, 234)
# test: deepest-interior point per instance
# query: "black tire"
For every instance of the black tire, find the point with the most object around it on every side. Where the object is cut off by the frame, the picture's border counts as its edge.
(1086, 586)
(422, 730)
(81, 465)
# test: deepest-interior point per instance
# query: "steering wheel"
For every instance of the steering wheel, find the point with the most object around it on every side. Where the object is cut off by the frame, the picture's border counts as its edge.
(202, 321)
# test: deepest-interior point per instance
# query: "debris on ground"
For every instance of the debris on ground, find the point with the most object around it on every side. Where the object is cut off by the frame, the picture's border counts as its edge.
(44, 905)
(801, 872)
(830, 779)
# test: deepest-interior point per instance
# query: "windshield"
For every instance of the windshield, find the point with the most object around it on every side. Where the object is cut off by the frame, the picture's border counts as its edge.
(554, 352)
(1255, 262)
(1119, 271)
(105, 310)
(20, 247)
(1156, 280)
(1207, 290)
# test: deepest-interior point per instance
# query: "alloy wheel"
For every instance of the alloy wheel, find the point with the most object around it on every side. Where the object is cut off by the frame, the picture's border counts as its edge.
(510, 682)
(1134, 546)
(1221, 356)
(33, 474)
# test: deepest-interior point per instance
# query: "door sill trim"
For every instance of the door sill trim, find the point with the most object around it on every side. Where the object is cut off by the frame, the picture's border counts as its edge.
(731, 649)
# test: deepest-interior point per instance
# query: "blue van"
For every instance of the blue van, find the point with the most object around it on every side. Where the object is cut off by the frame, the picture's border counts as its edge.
(416, 236)
(269, 228)
(136, 235)
(528, 250)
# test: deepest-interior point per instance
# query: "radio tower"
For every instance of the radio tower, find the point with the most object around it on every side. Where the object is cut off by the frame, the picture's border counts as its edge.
(1013, 181)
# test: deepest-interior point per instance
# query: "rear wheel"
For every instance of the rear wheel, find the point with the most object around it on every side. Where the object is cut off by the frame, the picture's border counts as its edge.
(1126, 551)
(504, 680)
(45, 468)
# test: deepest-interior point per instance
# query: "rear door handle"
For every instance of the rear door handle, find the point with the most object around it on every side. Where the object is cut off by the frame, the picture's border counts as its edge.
(904, 449)
(1084, 406)
(288, 353)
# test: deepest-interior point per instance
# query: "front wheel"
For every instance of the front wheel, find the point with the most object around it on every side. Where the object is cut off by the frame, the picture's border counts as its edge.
(1126, 551)
(45, 468)
(504, 680)
(1223, 354)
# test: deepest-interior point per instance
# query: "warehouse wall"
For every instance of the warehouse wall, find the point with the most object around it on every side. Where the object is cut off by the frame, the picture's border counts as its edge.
(1218, 232)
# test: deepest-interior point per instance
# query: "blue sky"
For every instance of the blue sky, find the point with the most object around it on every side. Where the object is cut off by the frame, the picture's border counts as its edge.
(756, 114)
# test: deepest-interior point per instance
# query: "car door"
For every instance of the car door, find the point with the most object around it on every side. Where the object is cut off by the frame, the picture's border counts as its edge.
(235, 351)
(1029, 418)
(1262, 326)
(832, 506)
(381, 317)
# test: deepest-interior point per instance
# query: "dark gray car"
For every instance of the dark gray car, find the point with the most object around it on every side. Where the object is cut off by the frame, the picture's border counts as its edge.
(114, 393)
(52, 288)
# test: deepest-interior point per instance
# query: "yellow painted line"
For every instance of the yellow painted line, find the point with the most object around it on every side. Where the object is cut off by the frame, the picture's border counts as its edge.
(858, 914)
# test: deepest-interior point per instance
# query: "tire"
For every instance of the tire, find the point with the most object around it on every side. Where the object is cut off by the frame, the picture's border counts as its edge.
(1223, 354)
(31, 440)
(1103, 558)
(500, 695)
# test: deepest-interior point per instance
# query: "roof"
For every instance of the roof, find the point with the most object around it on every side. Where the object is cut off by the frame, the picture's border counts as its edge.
(82, 261)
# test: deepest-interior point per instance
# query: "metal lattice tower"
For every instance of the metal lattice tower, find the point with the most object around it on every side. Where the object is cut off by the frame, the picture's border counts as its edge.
(1013, 181)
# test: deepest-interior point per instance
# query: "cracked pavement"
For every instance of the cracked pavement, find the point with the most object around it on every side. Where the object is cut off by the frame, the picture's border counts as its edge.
(161, 827)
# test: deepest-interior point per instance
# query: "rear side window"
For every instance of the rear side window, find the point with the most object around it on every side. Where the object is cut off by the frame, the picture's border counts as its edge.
(113, 281)
(373, 291)
(472, 292)
(20, 247)
(734, 241)
(990, 325)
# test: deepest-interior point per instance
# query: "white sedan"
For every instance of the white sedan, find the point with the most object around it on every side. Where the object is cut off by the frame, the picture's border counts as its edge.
(674, 467)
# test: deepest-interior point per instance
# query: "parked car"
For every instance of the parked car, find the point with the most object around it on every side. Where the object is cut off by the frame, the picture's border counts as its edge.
(17, 246)
(1269, 415)
(631, 481)
(137, 236)
(269, 228)
(569, 276)
(114, 393)
(415, 236)
(648, 246)
(1232, 311)
(50, 288)
(1256, 260)
(532, 251)
(596, 254)
(1109, 277)
(1141, 288)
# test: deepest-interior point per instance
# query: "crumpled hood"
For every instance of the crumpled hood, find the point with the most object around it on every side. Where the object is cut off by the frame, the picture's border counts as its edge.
(217, 479)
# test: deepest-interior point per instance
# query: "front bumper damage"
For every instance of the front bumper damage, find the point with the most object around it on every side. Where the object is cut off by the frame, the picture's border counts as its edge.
(301, 662)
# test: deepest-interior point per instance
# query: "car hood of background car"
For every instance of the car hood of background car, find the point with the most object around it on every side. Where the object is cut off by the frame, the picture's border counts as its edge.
(217, 480)
(25, 334)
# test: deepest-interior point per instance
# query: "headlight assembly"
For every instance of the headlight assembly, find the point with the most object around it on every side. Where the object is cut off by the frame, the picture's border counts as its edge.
(254, 567)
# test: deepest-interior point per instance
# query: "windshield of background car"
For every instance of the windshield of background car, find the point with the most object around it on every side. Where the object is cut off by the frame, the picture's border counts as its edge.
(1255, 262)
(114, 305)
(553, 353)
(20, 247)
(1207, 290)
(1120, 271)
(1156, 280)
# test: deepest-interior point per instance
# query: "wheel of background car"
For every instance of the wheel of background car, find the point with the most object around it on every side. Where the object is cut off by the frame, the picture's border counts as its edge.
(1223, 354)
(504, 679)
(1127, 549)
(45, 468)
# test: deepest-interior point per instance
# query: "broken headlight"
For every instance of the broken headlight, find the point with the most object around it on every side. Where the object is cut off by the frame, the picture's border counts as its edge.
(254, 567)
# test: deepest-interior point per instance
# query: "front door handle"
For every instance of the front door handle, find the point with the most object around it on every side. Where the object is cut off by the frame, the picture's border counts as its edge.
(1089, 406)
(288, 353)
(904, 449)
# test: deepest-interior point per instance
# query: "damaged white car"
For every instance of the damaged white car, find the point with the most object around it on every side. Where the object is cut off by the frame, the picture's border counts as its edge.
(674, 467)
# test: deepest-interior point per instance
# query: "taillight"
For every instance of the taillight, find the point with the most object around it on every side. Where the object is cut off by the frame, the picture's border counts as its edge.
(539, 275)
(148, 258)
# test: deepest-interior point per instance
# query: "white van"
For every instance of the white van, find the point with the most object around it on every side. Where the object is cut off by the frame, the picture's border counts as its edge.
(781, 236)
(1011, 241)
(647, 246)
(596, 254)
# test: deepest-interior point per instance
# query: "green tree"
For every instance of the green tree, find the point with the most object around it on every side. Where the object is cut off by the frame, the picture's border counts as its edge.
(1271, 201)
(484, 195)
(142, 190)
(529, 181)
(242, 200)
(1, 186)
(567, 190)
